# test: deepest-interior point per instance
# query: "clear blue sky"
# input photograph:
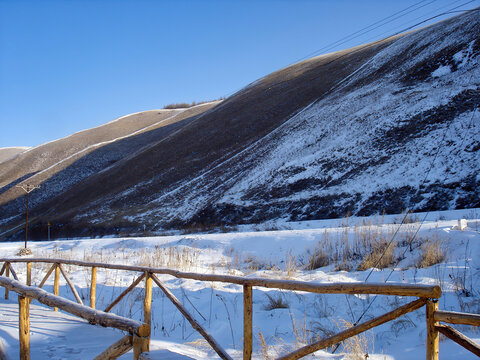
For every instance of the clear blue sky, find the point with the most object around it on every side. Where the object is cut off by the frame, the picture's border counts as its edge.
(73, 64)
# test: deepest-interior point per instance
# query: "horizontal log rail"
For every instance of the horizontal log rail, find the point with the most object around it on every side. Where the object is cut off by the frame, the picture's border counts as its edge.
(453, 317)
(139, 340)
(355, 330)
(82, 311)
(459, 338)
(428, 291)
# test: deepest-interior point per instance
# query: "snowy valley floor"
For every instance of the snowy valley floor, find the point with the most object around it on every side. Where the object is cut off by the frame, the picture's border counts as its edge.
(326, 251)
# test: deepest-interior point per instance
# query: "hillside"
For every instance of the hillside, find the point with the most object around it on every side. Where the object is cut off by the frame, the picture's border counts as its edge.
(377, 128)
(7, 153)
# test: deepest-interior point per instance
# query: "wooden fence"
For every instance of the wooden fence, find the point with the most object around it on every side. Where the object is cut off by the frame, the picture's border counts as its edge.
(427, 295)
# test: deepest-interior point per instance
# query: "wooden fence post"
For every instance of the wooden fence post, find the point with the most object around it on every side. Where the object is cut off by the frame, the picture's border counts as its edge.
(29, 273)
(7, 274)
(56, 283)
(24, 327)
(247, 322)
(139, 346)
(432, 332)
(147, 306)
(93, 287)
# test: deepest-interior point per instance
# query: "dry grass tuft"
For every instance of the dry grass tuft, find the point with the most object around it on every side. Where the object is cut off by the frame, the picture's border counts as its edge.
(263, 345)
(318, 259)
(431, 254)
(275, 302)
(380, 256)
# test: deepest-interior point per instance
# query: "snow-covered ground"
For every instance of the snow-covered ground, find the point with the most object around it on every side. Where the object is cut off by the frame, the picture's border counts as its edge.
(282, 320)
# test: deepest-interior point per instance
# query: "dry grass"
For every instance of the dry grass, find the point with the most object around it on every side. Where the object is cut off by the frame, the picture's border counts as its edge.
(263, 345)
(431, 254)
(275, 302)
(319, 258)
(381, 256)
(357, 347)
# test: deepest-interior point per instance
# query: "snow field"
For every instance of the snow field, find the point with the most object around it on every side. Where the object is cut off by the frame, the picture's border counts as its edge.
(282, 320)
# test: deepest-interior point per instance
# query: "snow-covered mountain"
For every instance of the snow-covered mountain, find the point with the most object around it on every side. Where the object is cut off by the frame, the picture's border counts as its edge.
(377, 128)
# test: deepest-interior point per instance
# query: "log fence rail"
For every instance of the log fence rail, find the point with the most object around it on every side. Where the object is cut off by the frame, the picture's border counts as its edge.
(140, 339)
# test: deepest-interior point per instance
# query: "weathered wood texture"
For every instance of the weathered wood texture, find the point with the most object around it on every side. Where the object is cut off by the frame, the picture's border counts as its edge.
(93, 287)
(147, 305)
(85, 312)
(24, 327)
(12, 270)
(457, 317)
(70, 284)
(125, 292)
(138, 347)
(247, 322)
(343, 288)
(213, 343)
(116, 350)
(56, 283)
(7, 274)
(355, 330)
(459, 338)
(29, 273)
(432, 333)
(3, 269)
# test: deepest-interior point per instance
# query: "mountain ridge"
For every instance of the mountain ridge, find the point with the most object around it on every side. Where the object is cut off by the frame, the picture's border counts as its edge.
(346, 132)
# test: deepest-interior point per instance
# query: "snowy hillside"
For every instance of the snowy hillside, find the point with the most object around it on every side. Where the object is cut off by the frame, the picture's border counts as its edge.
(282, 320)
(374, 129)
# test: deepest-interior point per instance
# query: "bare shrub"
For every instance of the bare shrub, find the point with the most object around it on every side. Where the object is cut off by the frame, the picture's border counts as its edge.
(277, 302)
(380, 256)
(319, 258)
(431, 254)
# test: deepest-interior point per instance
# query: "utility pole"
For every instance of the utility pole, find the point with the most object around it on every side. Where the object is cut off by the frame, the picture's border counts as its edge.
(28, 188)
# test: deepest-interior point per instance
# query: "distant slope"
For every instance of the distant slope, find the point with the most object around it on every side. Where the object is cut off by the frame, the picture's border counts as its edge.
(7, 153)
(380, 127)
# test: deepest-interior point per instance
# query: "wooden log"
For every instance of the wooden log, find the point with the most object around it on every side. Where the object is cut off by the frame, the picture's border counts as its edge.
(147, 305)
(125, 292)
(432, 333)
(24, 327)
(14, 274)
(7, 274)
(3, 269)
(341, 288)
(85, 312)
(70, 284)
(3, 352)
(56, 283)
(29, 273)
(213, 343)
(459, 338)
(138, 347)
(116, 350)
(453, 317)
(93, 287)
(247, 322)
(355, 330)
